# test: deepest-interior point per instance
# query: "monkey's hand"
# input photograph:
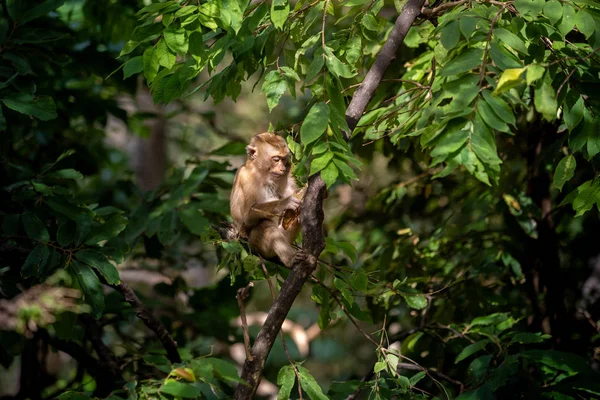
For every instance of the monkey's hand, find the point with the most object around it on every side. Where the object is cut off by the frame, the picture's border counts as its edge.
(291, 203)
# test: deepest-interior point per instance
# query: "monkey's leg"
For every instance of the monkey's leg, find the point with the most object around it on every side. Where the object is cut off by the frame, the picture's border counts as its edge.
(270, 241)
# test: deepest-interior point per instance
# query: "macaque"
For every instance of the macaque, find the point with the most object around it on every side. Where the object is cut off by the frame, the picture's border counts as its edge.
(263, 191)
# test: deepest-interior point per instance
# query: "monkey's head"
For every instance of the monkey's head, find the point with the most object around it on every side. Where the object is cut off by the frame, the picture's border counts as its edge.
(269, 154)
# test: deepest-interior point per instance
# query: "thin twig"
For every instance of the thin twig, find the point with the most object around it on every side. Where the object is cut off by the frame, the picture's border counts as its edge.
(242, 294)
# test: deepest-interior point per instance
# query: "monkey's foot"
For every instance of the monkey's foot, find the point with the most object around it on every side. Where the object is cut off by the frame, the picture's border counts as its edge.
(302, 256)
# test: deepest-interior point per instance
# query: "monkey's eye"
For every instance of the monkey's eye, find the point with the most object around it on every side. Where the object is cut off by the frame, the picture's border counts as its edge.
(276, 159)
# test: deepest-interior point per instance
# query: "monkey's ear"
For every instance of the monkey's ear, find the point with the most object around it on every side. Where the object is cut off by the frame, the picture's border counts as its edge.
(251, 150)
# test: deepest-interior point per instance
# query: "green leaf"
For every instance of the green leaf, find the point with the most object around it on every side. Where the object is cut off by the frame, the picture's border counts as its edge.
(450, 35)
(150, 64)
(336, 67)
(320, 162)
(379, 366)
(90, 286)
(193, 219)
(108, 230)
(585, 23)
(545, 101)
(66, 174)
(509, 79)
(564, 171)
(66, 232)
(285, 378)
(567, 22)
(527, 338)
(197, 45)
(500, 107)
(492, 319)
(167, 231)
(163, 55)
(349, 249)
(359, 280)
(40, 107)
(467, 26)
(529, 8)
(98, 260)
(314, 124)
(274, 87)
(588, 194)
(481, 393)
(464, 62)
(34, 228)
(176, 40)
(511, 40)
(558, 360)
(35, 261)
(231, 14)
(40, 10)
(490, 117)
(416, 378)
(180, 389)
(534, 72)
(280, 9)
(310, 385)
(471, 349)
(416, 301)
(133, 66)
(315, 67)
(553, 11)
(329, 174)
(573, 115)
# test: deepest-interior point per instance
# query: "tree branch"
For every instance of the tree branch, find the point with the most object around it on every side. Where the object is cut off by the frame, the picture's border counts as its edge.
(312, 212)
(150, 321)
(314, 242)
(365, 92)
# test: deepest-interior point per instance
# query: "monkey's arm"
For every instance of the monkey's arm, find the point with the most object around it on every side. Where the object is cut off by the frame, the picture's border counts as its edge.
(272, 210)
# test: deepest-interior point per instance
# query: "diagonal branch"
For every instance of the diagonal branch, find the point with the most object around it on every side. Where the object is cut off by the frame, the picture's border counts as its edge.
(365, 92)
(312, 212)
(150, 321)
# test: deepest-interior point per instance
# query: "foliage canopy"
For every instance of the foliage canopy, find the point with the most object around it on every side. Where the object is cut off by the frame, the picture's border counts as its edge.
(460, 229)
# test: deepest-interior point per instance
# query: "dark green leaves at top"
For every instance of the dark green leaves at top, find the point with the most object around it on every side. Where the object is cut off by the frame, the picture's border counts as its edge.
(34, 227)
(315, 123)
(280, 9)
(464, 62)
(40, 107)
(98, 260)
(564, 171)
(90, 286)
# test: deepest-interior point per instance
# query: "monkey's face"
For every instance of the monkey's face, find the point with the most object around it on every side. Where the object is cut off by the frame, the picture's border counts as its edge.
(278, 160)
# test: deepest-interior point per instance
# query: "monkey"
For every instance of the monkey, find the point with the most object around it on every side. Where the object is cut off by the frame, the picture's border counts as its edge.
(263, 190)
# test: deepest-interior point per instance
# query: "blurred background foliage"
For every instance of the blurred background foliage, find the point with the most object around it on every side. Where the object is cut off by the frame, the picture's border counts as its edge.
(493, 289)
